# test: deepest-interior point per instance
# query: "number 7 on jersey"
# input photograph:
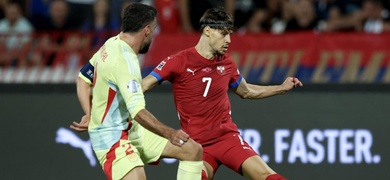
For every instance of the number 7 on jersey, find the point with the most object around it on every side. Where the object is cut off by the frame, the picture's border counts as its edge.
(208, 80)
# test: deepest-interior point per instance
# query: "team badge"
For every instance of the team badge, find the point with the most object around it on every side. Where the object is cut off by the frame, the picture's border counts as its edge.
(221, 70)
(133, 86)
(132, 157)
(130, 153)
(161, 65)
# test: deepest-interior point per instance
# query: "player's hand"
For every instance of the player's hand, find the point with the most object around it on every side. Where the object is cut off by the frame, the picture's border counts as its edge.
(82, 126)
(291, 82)
(179, 138)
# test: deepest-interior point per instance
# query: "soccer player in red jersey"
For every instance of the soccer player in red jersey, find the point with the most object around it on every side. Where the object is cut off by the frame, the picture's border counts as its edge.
(201, 77)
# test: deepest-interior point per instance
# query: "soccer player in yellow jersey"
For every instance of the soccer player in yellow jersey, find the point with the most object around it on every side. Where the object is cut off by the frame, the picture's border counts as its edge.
(125, 135)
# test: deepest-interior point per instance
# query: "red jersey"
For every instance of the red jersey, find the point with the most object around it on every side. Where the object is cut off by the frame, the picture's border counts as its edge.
(200, 91)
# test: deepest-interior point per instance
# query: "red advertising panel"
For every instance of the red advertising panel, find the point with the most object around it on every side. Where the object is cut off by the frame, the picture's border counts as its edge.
(314, 58)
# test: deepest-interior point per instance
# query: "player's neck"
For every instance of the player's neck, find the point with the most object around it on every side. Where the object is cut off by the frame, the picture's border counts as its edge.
(132, 40)
(204, 50)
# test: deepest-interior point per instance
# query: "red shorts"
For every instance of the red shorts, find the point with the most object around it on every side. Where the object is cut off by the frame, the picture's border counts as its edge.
(230, 150)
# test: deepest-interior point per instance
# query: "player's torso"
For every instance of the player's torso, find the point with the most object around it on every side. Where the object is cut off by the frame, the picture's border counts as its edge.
(107, 101)
(203, 82)
(201, 97)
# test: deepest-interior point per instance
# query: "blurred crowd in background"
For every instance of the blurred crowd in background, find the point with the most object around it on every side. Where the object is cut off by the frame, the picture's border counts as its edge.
(51, 32)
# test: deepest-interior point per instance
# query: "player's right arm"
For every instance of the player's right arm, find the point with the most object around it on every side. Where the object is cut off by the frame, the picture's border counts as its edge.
(85, 99)
(84, 95)
(127, 77)
(148, 121)
(84, 84)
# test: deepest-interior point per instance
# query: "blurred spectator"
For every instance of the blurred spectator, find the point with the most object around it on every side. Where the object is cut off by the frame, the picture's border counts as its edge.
(80, 10)
(296, 15)
(98, 27)
(168, 19)
(275, 7)
(350, 6)
(58, 19)
(338, 15)
(328, 9)
(99, 19)
(15, 31)
(38, 8)
(3, 3)
(115, 15)
(192, 10)
(372, 17)
(99, 23)
(275, 15)
(375, 18)
(53, 31)
(303, 16)
(250, 15)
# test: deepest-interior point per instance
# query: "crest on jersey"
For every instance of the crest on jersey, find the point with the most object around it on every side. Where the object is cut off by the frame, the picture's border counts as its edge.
(221, 70)
(161, 65)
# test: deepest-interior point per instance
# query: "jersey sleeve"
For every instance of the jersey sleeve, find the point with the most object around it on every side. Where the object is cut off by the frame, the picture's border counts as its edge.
(86, 72)
(127, 77)
(168, 69)
(236, 76)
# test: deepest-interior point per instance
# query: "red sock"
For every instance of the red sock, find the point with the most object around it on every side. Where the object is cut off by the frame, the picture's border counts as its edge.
(275, 177)
(204, 176)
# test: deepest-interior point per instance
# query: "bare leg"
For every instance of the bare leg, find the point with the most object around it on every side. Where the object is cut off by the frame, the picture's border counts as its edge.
(136, 173)
(256, 169)
(208, 169)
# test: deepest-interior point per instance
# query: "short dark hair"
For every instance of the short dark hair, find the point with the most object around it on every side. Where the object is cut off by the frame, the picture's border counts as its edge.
(217, 18)
(136, 16)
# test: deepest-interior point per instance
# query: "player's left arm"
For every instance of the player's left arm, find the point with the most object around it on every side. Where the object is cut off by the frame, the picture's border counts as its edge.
(251, 91)
(165, 70)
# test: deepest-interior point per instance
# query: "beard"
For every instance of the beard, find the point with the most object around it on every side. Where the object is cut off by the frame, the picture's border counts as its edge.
(220, 53)
(145, 48)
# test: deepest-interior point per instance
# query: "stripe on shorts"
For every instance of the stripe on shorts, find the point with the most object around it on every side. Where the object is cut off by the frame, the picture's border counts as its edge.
(111, 156)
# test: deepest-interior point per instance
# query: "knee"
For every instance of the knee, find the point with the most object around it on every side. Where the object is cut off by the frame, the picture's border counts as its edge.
(192, 151)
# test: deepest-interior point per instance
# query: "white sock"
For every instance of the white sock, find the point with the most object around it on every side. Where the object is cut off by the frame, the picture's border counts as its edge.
(190, 170)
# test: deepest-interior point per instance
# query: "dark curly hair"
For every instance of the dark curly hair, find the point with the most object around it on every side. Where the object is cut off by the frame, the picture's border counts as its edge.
(217, 18)
(136, 16)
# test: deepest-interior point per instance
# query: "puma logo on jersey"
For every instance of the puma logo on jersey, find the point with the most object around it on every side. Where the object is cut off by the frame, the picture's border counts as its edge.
(191, 71)
(66, 136)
